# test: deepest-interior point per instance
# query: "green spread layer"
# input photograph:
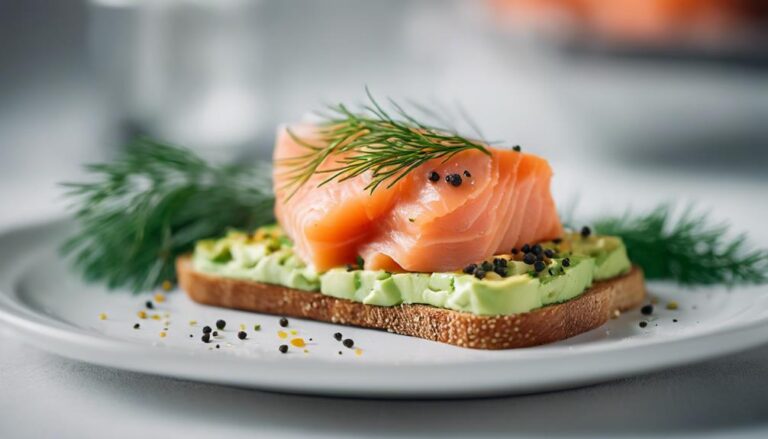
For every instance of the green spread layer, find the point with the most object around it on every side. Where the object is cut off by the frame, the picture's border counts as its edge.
(267, 256)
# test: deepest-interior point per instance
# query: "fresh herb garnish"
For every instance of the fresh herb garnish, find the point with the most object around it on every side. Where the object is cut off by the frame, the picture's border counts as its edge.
(152, 204)
(371, 140)
(690, 250)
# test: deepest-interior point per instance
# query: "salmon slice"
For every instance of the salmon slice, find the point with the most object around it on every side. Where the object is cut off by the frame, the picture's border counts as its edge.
(417, 225)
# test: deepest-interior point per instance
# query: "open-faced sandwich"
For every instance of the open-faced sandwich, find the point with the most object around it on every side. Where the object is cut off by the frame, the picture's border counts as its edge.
(391, 224)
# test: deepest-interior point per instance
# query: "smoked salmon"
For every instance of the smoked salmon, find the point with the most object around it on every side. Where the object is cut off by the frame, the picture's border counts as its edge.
(494, 202)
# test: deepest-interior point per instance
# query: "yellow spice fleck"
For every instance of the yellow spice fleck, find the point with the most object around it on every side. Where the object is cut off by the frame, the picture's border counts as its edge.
(160, 297)
(167, 285)
(298, 342)
(282, 334)
(294, 332)
(142, 314)
(163, 334)
(242, 326)
(306, 351)
(358, 351)
(672, 306)
(102, 316)
(155, 317)
(192, 322)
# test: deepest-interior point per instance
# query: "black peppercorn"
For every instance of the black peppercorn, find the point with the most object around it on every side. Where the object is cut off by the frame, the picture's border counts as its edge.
(549, 253)
(221, 324)
(434, 176)
(586, 231)
(557, 240)
(453, 179)
(647, 310)
(566, 262)
(206, 338)
(337, 336)
(501, 271)
(643, 324)
(516, 148)
(149, 305)
(283, 322)
(539, 266)
(467, 174)
(215, 333)
(207, 329)
(515, 251)
(529, 258)
(469, 269)
(536, 249)
(348, 342)
(283, 348)
(526, 248)
(486, 266)
(241, 335)
(499, 262)
(136, 326)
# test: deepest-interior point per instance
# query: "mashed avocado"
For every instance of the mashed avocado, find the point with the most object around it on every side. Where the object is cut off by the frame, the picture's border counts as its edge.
(267, 256)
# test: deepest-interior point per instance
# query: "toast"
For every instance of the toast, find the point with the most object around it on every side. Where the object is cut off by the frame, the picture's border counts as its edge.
(544, 325)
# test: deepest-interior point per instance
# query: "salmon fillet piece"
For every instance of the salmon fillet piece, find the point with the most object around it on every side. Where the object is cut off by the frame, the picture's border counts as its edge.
(417, 225)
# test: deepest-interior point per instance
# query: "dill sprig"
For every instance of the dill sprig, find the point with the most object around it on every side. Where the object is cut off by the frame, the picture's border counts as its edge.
(152, 204)
(690, 250)
(390, 146)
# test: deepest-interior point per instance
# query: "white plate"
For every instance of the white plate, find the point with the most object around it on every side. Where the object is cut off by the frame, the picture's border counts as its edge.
(53, 309)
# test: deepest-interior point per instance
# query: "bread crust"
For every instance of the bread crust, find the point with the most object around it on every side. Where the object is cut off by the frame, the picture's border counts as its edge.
(544, 325)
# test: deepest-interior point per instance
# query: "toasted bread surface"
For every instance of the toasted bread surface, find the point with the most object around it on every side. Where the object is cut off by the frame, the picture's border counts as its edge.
(544, 325)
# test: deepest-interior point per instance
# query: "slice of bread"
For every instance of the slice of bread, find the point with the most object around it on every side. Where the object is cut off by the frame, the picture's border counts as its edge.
(544, 325)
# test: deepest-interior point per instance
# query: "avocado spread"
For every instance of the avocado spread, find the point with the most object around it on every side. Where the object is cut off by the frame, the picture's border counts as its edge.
(267, 256)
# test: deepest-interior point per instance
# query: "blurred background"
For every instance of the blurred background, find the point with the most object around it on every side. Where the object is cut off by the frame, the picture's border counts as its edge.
(670, 90)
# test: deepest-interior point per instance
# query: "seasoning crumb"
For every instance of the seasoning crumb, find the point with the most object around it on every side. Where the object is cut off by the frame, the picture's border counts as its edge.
(616, 314)
(283, 322)
(191, 336)
(643, 324)
(411, 220)
(337, 336)
(242, 335)
(672, 306)
(136, 326)
(142, 314)
(160, 297)
(348, 342)
(340, 353)
(167, 285)
(453, 179)
(218, 346)
(647, 310)
(163, 334)
(221, 324)
(257, 327)
(102, 316)
(283, 348)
